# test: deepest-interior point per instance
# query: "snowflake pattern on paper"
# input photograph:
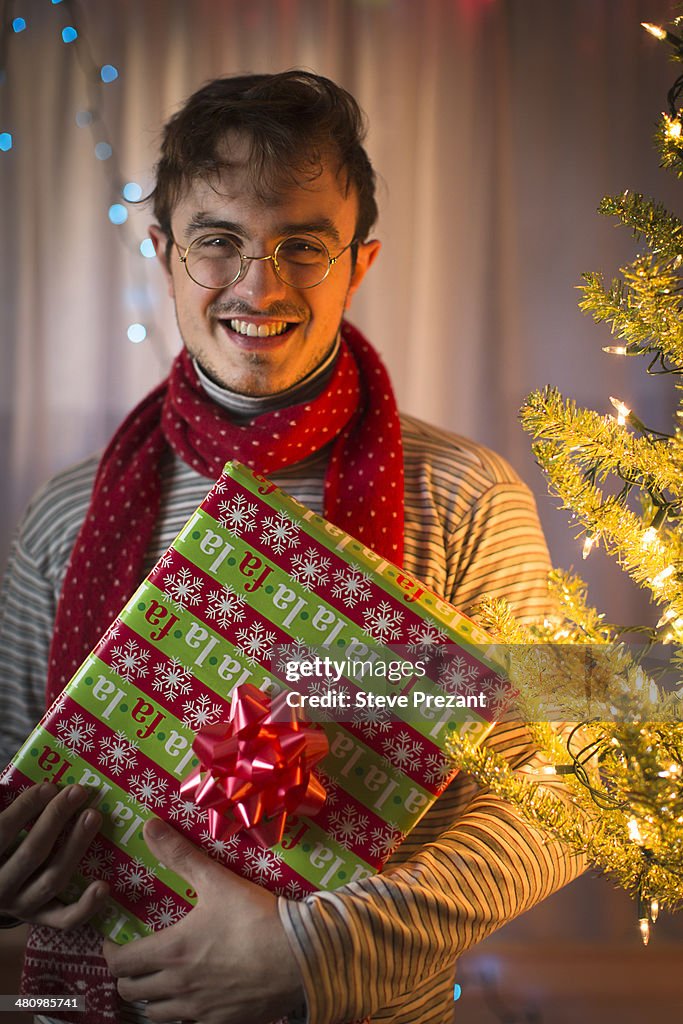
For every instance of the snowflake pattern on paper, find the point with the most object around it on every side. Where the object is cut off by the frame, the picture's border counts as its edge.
(437, 769)
(225, 606)
(385, 841)
(425, 638)
(223, 849)
(262, 865)
(111, 633)
(200, 712)
(403, 752)
(297, 653)
(117, 753)
(130, 661)
(172, 678)
(280, 532)
(165, 560)
(321, 687)
(75, 734)
(372, 720)
(185, 811)
(310, 569)
(163, 913)
(292, 891)
(183, 589)
(238, 515)
(383, 622)
(134, 880)
(97, 861)
(498, 695)
(348, 826)
(458, 676)
(148, 789)
(351, 585)
(255, 642)
(331, 787)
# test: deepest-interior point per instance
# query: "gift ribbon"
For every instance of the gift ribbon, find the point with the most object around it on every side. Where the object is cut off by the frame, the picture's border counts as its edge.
(256, 769)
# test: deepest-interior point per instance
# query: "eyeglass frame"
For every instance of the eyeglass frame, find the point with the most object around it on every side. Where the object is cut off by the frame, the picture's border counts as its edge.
(245, 260)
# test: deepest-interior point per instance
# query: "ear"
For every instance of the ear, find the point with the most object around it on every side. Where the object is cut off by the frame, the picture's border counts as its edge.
(366, 256)
(160, 241)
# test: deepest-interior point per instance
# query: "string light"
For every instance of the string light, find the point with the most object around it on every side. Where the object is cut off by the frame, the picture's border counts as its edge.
(663, 576)
(623, 411)
(118, 214)
(644, 925)
(649, 537)
(589, 543)
(132, 191)
(634, 831)
(673, 127)
(614, 350)
(136, 333)
(655, 30)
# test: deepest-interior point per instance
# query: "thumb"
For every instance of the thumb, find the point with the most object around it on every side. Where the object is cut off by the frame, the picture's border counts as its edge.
(175, 851)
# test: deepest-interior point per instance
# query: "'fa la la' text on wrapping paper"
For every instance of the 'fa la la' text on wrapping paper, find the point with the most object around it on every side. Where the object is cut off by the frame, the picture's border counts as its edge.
(254, 584)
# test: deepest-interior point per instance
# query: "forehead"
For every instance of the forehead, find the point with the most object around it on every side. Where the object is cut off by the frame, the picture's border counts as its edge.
(318, 193)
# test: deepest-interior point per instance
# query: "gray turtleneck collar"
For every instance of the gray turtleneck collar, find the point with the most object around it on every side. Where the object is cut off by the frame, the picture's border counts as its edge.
(248, 407)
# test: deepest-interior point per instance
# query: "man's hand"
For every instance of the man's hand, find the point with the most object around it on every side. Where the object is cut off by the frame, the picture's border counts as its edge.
(33, 873)
(227, 962)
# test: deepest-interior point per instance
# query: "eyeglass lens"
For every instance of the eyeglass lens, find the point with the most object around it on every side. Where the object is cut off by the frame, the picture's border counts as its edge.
(214, 261)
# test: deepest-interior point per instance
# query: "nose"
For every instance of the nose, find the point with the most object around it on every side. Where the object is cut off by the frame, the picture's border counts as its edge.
(259, 283)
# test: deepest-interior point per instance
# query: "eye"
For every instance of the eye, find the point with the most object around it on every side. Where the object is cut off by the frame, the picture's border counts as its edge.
(215, 245)
(303, 248)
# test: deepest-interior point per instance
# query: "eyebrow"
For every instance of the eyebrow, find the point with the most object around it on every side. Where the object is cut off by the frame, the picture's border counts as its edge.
(319, 226)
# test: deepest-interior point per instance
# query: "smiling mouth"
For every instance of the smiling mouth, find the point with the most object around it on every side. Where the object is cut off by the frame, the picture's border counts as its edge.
(249, 329)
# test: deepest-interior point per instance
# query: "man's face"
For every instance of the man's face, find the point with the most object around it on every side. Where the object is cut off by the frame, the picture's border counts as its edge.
(213, 322)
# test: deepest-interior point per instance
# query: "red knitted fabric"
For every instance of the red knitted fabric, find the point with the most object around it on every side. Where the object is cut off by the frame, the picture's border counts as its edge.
(363, 494)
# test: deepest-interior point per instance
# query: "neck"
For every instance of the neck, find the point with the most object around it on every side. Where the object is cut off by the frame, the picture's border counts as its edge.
(247, 407)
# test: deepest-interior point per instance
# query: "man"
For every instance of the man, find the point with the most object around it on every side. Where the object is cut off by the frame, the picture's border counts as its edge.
(264, 202)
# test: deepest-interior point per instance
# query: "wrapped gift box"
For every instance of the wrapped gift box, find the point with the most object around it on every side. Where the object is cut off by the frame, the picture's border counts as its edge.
(258, 589)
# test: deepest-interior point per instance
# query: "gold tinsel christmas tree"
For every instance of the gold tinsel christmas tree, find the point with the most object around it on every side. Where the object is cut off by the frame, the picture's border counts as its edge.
(619, 766)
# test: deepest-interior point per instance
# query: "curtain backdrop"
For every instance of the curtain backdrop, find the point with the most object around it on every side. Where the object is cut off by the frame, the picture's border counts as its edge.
(495, 125)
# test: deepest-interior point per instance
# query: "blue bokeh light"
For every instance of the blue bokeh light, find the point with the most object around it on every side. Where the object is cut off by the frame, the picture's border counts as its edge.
(6, 142)
(69, 34)
(147, 248)
(137, 333)
(56, 2)
(108, 73)
(83, 118)
(131, 191)
(457, 992)
(19, 24)
(102, 150)
(118, 214)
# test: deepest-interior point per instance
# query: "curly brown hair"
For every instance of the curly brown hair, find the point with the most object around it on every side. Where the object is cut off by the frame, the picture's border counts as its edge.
(293, 121)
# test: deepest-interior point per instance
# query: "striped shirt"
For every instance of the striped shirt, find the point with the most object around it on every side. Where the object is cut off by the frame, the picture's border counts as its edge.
(385, 946)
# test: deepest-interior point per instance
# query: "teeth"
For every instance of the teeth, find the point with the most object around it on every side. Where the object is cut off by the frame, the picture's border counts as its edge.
(258, 330)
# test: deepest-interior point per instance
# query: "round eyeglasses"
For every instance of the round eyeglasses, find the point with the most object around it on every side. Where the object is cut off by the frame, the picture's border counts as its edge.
(301, 261)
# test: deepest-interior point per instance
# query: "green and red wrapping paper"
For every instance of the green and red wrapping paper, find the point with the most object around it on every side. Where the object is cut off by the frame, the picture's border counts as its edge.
(253, 583)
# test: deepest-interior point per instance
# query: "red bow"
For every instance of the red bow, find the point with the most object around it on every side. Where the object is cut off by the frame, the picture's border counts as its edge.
(254, 770)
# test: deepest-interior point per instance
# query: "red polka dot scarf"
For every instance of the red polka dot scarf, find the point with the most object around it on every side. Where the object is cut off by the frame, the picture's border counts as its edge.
(363, 484)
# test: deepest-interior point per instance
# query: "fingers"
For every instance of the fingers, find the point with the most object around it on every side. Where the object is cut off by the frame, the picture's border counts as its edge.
(27, 806)
(60, 915)
(36, 871)
(176, 852)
